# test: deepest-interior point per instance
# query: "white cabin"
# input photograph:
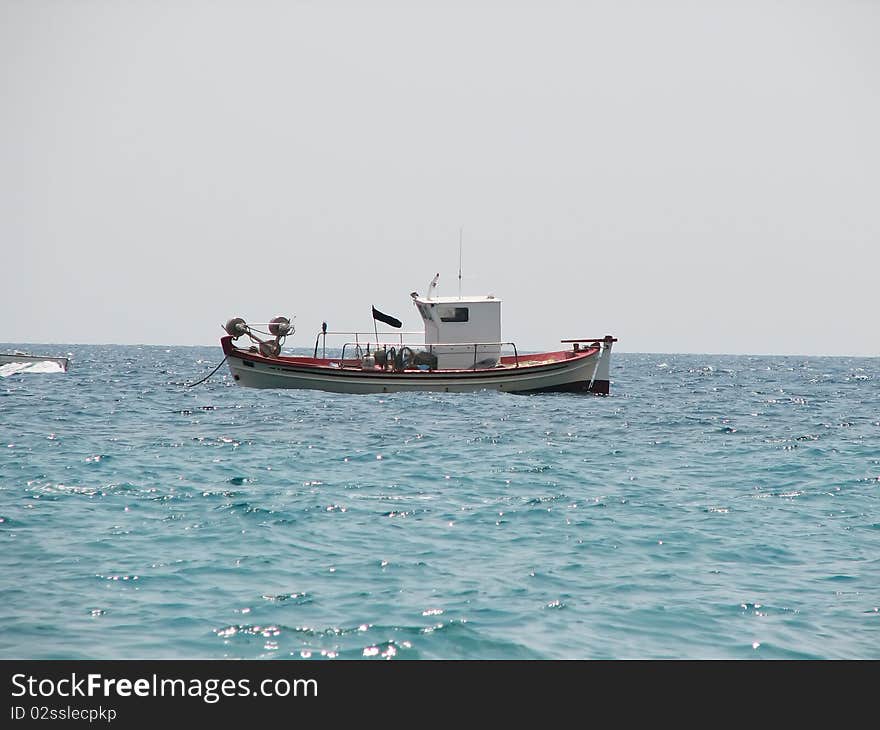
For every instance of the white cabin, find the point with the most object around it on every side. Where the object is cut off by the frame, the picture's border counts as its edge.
(475, 322)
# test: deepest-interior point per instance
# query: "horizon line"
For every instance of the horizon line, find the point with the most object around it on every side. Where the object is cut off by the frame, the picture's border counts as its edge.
(525, 350)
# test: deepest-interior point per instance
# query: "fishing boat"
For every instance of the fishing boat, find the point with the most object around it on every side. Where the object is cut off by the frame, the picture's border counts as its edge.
(25, 362)
(460, 350)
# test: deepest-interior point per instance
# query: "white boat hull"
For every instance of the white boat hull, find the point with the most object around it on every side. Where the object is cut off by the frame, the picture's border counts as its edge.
(585, 371)
(19, 358)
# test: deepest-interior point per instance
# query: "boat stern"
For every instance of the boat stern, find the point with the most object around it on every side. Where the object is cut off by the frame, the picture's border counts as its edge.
(601, 380)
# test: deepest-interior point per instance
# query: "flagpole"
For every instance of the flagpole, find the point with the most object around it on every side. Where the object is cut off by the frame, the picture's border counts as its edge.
(460, 231)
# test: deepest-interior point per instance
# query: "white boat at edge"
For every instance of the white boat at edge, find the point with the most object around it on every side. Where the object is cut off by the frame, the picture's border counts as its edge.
(461, 351)
(27, 359)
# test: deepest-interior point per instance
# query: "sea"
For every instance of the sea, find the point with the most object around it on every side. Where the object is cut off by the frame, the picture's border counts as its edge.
(711, 507)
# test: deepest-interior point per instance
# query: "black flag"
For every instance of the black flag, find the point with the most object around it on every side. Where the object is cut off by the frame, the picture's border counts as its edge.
(394, 322)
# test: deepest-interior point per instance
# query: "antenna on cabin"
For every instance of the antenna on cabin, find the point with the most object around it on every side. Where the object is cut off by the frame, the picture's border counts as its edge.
(460, 232)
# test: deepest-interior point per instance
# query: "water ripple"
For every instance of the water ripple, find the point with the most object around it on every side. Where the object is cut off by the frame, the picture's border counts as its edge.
(712, 507)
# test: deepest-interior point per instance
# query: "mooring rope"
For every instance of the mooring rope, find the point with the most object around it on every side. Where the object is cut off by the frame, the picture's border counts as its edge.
(190, 385)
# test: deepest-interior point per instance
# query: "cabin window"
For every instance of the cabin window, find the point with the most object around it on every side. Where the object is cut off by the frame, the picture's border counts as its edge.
(454, 314)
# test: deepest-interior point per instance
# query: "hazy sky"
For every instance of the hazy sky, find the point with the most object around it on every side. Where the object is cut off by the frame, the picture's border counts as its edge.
(688, 176)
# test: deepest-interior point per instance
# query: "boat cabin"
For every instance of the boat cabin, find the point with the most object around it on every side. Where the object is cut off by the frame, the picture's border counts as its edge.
(463, 332)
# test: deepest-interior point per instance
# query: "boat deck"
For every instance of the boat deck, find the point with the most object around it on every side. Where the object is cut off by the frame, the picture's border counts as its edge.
(506, 362)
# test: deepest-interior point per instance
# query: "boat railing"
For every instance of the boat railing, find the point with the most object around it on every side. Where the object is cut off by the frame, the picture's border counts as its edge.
(322, 338)
(362, 349)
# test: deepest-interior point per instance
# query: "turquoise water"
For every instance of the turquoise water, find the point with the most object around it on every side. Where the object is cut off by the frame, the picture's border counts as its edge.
(711, 507)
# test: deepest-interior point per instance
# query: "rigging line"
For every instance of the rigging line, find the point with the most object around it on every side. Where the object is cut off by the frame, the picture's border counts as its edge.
(190, 385)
